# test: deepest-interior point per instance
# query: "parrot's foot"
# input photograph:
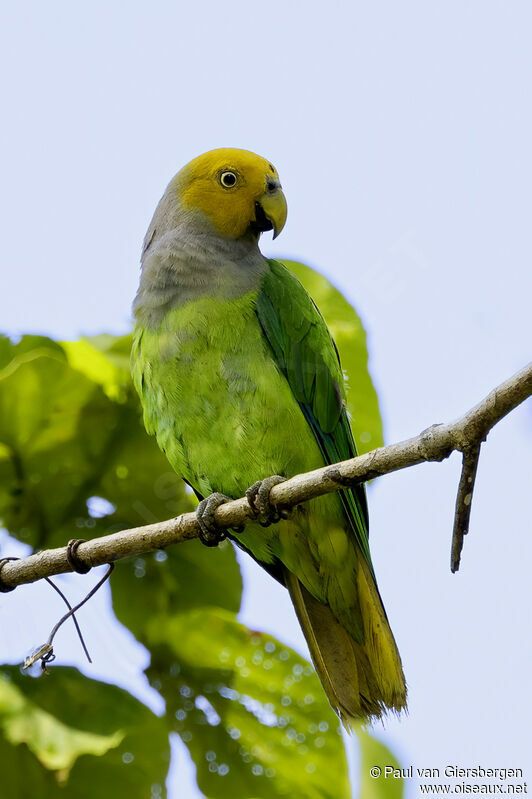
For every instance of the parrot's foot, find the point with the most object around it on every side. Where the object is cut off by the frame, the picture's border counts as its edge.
(210, 534)
(258, 497)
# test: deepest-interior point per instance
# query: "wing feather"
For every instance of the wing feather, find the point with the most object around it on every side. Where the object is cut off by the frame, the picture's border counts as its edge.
(306, 354)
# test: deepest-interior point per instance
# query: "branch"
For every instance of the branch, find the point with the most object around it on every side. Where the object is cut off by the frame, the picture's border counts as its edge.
(434, 444)
(463, 503)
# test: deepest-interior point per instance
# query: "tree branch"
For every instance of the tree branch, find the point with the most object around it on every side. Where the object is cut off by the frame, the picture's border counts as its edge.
(434, 444)
(463, 503)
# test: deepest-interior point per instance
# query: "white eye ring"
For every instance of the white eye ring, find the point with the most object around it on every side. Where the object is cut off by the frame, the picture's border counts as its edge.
(228, 180)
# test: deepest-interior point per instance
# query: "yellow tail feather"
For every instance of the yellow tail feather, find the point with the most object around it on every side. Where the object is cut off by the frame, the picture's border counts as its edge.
(361, 681)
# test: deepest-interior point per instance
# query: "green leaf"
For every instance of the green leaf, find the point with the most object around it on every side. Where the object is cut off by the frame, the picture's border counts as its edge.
(104, 359)
(54, 426)
(6, 350)
(63, 440)
(157, 585)
(350, 337)
(54, 744)
(375, 755)
(22, 774)
(250, 710)
(78, 735)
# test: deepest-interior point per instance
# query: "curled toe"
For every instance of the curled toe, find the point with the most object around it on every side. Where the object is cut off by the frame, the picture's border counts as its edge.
(210, 535)
(258, 496)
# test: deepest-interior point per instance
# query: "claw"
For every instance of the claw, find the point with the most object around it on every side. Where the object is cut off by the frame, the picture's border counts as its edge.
(258, 497)
(210, 534)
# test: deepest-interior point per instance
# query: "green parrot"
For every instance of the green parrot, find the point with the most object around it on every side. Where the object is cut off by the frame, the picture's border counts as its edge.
(239, 380)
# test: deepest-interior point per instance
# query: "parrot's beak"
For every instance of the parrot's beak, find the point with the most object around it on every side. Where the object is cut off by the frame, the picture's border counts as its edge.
(271, 211)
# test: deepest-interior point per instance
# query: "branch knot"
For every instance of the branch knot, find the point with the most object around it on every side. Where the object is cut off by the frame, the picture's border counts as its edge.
(433, 444)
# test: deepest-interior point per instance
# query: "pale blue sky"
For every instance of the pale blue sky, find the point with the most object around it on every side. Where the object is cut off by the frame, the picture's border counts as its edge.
(402, 133)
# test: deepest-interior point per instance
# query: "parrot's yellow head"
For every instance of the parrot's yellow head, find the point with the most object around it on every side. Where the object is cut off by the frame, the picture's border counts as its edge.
(238, 191)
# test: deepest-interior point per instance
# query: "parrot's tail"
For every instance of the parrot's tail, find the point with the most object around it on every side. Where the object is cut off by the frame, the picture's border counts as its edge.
(362, 680)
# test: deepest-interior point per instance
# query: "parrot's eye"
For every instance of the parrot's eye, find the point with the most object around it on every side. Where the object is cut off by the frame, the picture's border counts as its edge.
(228, 179)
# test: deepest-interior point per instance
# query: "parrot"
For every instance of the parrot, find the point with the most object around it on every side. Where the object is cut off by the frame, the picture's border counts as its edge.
(240, 382)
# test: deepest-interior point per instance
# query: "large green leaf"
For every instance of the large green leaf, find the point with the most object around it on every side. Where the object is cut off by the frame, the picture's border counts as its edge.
(76, 737)
(250, 710)
(70, 429)
(183, 577)
(104, 359)
(23, 776)
(54, 429)
(350, 337)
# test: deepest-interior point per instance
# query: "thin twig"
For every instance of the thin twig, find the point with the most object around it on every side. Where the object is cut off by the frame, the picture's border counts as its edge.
(463, 503)
(72, 612)
(434, 444)
(69, 606)
(45, 653)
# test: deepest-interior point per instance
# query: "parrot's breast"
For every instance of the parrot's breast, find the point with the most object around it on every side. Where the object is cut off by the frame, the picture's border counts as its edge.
(215, 399)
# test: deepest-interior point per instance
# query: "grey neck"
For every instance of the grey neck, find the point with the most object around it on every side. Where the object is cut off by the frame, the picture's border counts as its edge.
(191, 262)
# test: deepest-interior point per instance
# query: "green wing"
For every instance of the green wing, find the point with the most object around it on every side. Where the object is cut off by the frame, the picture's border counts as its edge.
(307, 356)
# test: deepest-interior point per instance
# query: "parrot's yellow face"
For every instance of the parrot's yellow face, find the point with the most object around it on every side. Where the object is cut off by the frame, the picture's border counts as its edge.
(238, 191)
